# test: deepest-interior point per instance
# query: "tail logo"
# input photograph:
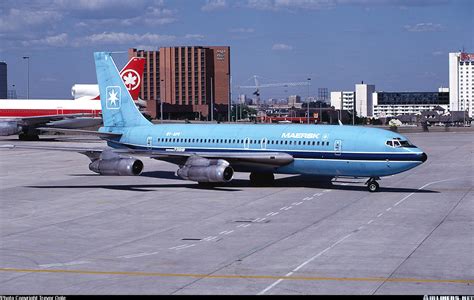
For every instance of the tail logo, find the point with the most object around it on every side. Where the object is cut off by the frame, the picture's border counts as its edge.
(114, 94)
(131, 79)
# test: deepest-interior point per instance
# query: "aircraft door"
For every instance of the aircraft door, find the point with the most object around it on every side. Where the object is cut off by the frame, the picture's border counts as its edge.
(263, 143)
(337, 147)
(149, 142)
(246, 143)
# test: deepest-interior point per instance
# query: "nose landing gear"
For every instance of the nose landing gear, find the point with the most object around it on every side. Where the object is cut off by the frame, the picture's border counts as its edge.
(372, 184)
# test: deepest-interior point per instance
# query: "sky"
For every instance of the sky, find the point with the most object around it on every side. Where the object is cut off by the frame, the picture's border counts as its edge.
(398, 45)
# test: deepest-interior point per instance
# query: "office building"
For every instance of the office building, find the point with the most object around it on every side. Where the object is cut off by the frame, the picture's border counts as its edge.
(388, 104)
(188, 80)
(461, 81)
(3, 80)
(293, 100)
(359, 100)
(343, 100)
(363, 99)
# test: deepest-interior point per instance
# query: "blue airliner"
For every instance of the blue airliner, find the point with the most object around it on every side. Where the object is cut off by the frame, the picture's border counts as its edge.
(210, 153)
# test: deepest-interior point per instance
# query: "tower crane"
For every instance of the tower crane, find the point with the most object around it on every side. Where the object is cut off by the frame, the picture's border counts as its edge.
(258, 85)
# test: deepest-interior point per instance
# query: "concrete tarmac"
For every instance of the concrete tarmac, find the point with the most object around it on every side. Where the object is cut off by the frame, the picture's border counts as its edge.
(66, 230)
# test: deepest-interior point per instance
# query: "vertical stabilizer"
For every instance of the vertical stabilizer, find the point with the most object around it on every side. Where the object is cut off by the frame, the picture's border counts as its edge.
(118, 108)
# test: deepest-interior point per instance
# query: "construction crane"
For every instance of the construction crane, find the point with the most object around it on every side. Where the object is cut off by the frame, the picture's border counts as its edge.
(258, 85)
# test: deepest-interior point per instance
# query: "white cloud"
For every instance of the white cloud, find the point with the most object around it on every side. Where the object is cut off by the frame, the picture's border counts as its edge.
(198, 37)
(423, 27)
(282, 47)
(124, 38)
(16, 19)
(323, 4)
(60, 40)
(242, 30)
(214, 5)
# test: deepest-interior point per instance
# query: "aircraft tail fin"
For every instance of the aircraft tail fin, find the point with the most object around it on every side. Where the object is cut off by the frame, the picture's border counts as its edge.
(118, 107)
(132, 74)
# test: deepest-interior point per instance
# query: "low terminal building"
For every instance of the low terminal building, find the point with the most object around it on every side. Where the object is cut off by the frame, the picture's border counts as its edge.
(389, 104)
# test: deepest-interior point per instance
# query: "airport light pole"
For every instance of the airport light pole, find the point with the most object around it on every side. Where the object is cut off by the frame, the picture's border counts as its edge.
(161, 101)
(230, 98)
(307, 102)
(28, 79)
(212, 102)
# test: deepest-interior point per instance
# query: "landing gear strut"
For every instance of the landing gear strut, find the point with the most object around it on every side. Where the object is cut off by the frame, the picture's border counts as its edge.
(259, 179)
(372, 184)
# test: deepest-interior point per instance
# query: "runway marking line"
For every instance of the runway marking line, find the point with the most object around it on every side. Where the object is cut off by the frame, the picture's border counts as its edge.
(300, 278)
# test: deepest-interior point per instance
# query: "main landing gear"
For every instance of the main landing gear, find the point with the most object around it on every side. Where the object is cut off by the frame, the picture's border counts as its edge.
(261, 179)
(28, 137)
(372, 184)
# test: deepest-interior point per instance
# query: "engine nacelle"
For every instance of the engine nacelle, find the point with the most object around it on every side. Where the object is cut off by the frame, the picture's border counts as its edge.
(9, 128)
(206, 170)
(117, 166)
(84, 90)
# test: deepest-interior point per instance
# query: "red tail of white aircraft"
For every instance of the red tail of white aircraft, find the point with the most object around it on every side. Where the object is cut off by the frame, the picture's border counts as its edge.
(24, 116)
(131, 74)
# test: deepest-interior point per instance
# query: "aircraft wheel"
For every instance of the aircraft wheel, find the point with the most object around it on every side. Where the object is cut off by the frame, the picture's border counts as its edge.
(22, 136)
(28, 137)
(373, 186)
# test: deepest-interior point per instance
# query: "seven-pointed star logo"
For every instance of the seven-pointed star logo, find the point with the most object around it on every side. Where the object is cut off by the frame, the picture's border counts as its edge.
(114, 93)
(113, 98)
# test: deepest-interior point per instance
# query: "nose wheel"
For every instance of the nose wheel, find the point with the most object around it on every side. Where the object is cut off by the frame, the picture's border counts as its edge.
(372, 184)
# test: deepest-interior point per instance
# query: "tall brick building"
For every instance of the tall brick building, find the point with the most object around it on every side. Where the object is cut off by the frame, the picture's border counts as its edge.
(185, 79)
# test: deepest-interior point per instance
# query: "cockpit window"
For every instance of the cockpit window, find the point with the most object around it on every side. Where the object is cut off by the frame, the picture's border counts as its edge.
(407, 144)
(397, 142)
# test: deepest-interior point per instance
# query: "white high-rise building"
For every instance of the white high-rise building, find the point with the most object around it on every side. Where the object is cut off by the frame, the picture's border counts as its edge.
(461, 81)
(343, 100)
(363, 99)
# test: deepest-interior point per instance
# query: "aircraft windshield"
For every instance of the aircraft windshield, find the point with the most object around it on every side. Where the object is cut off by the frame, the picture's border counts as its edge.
(397, 142)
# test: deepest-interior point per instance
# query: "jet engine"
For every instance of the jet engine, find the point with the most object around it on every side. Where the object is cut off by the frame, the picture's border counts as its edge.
(9, 128)
(110, 163)
(206, 170)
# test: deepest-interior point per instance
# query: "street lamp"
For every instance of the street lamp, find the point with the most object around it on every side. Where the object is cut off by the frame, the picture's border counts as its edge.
(307, 102)
(212, 102)
(161, 101)
(230, 98)
(28, 80)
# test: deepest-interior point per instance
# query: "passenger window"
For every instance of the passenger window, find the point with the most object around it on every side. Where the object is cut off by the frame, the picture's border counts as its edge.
(299, 143)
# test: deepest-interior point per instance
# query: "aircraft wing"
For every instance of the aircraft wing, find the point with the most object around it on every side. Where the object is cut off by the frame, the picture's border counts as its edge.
(91, 132)
(266, 159)
(263, 159)
(45, 119)
(92, 153)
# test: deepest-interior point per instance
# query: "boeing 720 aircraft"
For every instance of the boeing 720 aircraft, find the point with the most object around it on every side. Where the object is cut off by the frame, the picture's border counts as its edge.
(208, 153)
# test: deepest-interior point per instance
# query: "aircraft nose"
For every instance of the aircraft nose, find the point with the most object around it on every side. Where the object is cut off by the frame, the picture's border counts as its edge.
(424, 157)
